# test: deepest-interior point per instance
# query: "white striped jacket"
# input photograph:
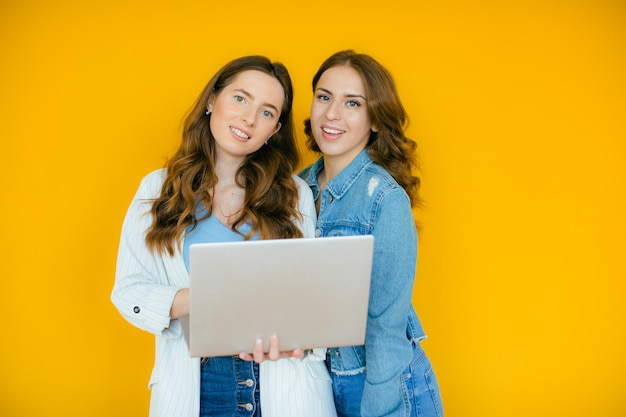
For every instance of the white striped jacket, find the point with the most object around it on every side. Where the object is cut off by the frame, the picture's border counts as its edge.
(144, 289)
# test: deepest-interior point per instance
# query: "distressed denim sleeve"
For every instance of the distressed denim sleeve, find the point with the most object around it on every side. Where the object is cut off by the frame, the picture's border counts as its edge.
(387, 348)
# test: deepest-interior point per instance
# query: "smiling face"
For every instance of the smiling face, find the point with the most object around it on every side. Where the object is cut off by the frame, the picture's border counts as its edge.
(245, 113)
(340, 122)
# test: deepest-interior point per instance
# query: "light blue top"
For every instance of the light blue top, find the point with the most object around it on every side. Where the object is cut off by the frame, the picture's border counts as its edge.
(364, 199)
(211, 230)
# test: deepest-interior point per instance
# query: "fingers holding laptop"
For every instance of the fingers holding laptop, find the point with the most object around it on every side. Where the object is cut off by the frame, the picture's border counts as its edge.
(274, 353)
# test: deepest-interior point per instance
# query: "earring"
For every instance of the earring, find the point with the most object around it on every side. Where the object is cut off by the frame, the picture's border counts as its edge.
(267, 141)
(207, 112)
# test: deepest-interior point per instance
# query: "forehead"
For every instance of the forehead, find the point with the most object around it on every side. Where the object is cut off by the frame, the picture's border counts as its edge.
(342, 79)
(259, 86)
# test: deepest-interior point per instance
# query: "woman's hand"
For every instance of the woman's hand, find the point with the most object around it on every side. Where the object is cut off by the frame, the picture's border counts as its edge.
(258, 355)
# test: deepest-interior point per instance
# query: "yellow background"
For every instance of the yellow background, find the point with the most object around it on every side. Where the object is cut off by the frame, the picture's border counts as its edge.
(519, 110)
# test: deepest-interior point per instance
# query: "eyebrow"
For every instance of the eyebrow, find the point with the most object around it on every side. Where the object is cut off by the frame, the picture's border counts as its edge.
(247, 94)
(347, 95)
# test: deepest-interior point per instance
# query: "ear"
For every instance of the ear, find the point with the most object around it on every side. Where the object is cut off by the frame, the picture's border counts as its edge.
(374, 129)
(209, 103)
(278, 126)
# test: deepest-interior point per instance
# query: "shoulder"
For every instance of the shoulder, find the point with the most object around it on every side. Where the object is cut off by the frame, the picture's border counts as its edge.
(382, 181)
(382, 173)
(155, 177)
(303, 187)
(304, 174)
(311, 170)
(306, 207)
(299, 181)
(363, 168)
(151, 183)
(375, 172)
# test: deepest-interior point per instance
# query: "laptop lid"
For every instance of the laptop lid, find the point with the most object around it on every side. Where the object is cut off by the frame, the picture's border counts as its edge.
(311, 292)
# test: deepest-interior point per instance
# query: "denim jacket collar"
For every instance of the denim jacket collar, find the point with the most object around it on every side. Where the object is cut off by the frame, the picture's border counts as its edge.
(342, 182)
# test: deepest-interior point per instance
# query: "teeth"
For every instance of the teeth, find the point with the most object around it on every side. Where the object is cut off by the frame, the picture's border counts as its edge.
(332, 131)
(239, 133)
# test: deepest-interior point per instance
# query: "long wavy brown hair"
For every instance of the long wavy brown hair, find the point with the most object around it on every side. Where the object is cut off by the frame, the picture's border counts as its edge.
(388, 147)
(271, 195)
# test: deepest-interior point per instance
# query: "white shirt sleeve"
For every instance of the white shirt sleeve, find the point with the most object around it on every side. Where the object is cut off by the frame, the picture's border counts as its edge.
(141, 292)
(306, 206)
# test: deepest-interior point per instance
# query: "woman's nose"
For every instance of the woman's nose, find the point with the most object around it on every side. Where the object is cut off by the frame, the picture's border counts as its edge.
(333, 112)
(249, 116)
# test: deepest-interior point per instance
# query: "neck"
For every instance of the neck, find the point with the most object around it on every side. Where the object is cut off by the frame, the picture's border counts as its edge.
(226, 168)
(333, 165)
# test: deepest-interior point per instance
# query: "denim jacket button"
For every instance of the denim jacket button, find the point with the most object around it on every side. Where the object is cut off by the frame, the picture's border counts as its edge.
(249, 407)
(318, 233)
(249, 382)
(329, 198)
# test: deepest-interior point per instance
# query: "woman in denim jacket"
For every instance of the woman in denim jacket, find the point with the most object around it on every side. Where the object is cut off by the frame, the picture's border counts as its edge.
(363, 184)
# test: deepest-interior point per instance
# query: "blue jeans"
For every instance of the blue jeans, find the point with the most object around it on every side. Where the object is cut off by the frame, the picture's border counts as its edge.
(421, 384)
(229, 387)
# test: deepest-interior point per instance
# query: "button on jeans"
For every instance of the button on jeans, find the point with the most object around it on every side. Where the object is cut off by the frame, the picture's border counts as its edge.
(229, 387)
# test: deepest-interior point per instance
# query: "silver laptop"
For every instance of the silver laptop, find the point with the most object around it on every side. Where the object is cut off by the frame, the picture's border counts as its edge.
(311, 292)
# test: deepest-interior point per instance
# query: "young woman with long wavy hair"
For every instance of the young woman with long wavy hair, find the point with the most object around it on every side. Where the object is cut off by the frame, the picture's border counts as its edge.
(231, 179)
(365, 182)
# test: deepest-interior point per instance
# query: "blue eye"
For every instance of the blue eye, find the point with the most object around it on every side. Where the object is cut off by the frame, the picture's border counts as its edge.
(239, 99)
(268, 114)
(323, 97)
(353, 104)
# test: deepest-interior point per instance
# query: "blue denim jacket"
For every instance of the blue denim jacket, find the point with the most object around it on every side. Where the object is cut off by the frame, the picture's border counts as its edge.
(365, 199)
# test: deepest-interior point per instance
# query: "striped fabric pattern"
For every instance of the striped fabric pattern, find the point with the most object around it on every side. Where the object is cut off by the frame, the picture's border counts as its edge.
(145, 286)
